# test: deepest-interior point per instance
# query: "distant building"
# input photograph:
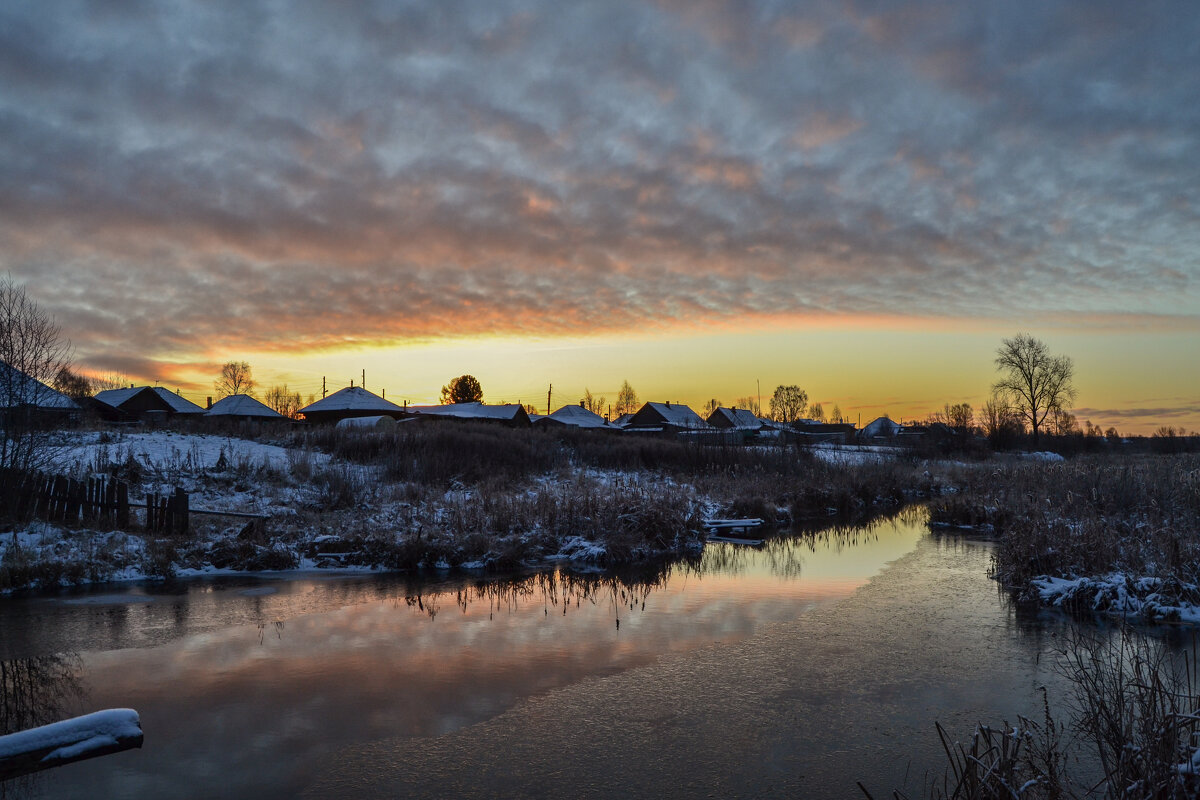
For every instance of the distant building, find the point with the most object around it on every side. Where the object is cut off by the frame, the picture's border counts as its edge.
(824, 432)
(148, 403)
(880, 428)
(666, 417)
(353, 401)
(734, 418)
(507, 413)
(575, 417)
(22, 395)
(243, 407)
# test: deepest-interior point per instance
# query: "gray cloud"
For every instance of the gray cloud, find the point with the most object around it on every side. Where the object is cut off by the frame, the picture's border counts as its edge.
(179, 177)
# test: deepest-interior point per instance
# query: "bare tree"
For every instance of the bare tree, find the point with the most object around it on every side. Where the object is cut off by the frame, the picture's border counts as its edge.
(751, 404)
(73, 385)
(836, 415)
(1033, 381)
(816, 412)
(235, 379)
(788, 403)
(627, 400)
(285, 402)
(34, 353)
(463, 389)
(711, 406)
(592, 403)
(960, 416)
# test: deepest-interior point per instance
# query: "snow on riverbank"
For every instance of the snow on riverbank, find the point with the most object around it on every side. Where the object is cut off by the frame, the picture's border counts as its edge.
(1118, 594)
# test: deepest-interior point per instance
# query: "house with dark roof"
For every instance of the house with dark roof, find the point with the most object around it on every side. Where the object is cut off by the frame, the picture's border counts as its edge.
(243, 407)
(666, 417)
(353, 401)
(148, 402)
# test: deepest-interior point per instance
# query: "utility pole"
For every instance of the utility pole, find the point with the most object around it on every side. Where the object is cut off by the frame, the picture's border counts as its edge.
(548, 393)
(758, 383)
(364, 382)
(322, 387)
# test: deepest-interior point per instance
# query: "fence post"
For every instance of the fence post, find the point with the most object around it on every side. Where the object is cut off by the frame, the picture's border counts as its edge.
(122, 505)
(181, 511)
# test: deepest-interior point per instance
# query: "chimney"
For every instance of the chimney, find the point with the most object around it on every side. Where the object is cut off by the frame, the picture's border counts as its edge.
(668, 404)
(210, 402)
(581, 404)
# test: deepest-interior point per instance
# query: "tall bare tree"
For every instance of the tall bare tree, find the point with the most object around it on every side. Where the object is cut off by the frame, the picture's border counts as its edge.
(627, 400)
(816, 412)
(592, 403)
(36, 353)
(235, 379)
(1033, 381)
(283, 401)
(788, 403)
(751, 404)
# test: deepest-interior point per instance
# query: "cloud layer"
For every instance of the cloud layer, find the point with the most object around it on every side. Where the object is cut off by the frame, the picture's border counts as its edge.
(184, 180)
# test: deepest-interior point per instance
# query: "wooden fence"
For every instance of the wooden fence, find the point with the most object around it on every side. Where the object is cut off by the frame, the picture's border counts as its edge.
(55, 498)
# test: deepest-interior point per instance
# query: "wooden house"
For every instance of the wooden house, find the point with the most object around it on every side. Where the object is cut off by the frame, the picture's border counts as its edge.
(353, 401)
(243, 407)
(665, 417)
(508, 413)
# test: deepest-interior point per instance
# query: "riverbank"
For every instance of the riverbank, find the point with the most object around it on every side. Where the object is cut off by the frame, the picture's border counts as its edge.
(1114, 535)
(440, 497)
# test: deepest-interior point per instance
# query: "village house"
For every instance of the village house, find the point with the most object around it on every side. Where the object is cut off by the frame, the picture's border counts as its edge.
(575, 416)
(243, 407)
(666, 417)
(353, 401)
(507, 413)
(146, 404)
(22, 395)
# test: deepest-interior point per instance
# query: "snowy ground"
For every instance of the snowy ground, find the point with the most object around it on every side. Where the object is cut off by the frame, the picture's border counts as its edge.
(855, 454)
(170, 451)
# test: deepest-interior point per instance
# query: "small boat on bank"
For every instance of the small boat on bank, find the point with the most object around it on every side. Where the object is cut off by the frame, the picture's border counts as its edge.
(733, 531)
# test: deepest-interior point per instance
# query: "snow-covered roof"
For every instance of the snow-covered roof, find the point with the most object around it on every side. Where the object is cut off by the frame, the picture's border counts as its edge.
(740, 418)
(881, 426)
(18, 389)
(242, 405)
(677, 415)
(579, 417)
(622, 421)
(117, 397)
(507, 411)
(177, 403)
(352, 398)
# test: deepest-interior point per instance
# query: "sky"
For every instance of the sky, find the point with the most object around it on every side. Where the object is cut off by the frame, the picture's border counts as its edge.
(704, 198)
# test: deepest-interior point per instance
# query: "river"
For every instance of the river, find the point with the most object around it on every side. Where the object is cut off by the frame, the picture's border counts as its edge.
(794, 670)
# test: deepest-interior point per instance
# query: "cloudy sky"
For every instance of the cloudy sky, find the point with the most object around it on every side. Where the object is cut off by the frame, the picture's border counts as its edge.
(699, 196)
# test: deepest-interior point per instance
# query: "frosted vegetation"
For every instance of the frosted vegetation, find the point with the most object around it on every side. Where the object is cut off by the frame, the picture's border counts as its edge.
(439, 496)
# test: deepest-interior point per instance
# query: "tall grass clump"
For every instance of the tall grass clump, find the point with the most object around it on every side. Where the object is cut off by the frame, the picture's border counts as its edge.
(1137, 516)
(1133, 731)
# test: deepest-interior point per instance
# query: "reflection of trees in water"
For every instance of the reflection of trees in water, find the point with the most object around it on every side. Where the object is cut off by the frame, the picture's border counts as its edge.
(37, 691)
(559, 590)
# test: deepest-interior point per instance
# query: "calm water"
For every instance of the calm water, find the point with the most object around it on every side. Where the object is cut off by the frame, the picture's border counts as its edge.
(790, 671)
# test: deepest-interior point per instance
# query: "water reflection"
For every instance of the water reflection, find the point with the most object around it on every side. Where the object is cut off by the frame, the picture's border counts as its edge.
(249, 685)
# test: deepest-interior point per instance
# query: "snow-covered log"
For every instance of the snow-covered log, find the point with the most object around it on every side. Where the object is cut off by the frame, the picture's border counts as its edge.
(71, 740)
